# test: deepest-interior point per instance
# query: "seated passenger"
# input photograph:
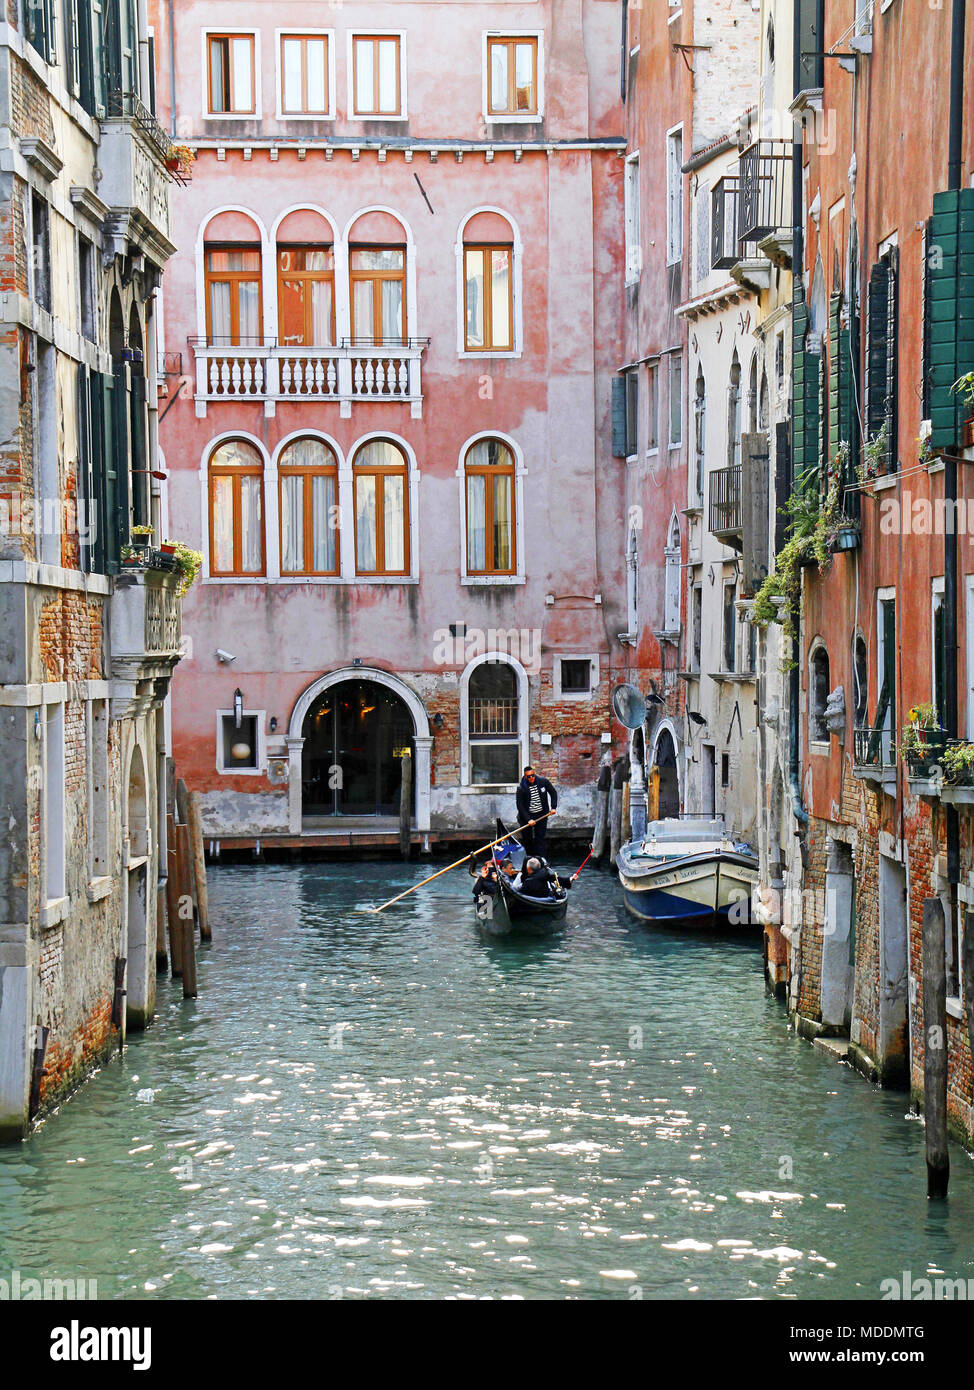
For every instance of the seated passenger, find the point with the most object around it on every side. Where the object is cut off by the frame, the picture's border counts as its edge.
(538, 881)
(485, 883)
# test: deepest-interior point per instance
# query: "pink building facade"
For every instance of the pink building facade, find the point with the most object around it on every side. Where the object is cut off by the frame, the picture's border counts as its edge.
(391, 326)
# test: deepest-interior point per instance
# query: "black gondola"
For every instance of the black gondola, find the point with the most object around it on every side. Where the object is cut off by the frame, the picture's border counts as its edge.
(509, 912)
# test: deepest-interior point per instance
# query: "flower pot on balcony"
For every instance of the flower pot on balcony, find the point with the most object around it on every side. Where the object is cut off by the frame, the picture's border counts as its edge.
(967, 433)
(167, 549)
(847, 537)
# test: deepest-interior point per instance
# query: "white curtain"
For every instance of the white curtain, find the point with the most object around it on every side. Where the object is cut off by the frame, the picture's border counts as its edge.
(395, 523)
(388, 76)
(365, 524)
(219, 309)
(475, 298)
(223, 524)
(322, 502)
(500, 307)
(476, 523)
(292, 523)
(251, 525)
(248, 309)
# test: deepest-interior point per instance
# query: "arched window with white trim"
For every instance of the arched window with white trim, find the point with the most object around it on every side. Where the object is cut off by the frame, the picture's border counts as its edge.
(493, 720)
(308, 483)
(489, 484)
(489, 271)
(380, 476)
(236, 493)
(671, 584)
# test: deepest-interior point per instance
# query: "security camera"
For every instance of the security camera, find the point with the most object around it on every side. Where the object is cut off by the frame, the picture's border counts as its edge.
(223, 656)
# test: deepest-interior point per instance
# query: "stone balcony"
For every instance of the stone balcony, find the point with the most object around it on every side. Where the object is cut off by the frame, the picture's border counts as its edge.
(353, 370)
(135, 180)
(146, 640)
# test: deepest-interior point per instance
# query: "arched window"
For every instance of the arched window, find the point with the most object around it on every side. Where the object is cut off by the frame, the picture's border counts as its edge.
(232, 290)
(306, 295)
(734, 413)
(489, 482)
(861, 677)
(381, 484)
(819, 689)
(493, 724)
(236, 509)
(671, 592)
(752, 397)
(764, 403)
(699, 433)
(632, 583)
(308, 471)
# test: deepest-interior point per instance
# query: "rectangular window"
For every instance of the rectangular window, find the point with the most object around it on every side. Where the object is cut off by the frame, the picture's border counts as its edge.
(938, 634)
(652, 413)
(233, 309)
(40, 227)
(53, 798)
(304, 75)
(512, 76)
(99, 798)
(86, 287)
(488, 304)
(231, 72)
(239, 749)
(40, 28)
(236, 522)
(309, 540)
(886, 677)
(306, 296)
(958, 922)
(697, 627)
(674, 196)
(377, 75)
(676, 400)
(632, 412)
(576, 676)
(631, 198)
(730, 627)
(724, 771)
(377, 276)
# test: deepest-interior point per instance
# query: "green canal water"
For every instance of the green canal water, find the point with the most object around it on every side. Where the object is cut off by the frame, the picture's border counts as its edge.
(390, 1106)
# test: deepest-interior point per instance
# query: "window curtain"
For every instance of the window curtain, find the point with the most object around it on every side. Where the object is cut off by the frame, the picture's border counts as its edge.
(292, 523)
(251, 524)
(476, 522)
(365, 523)
(395, 522)
(223, 523)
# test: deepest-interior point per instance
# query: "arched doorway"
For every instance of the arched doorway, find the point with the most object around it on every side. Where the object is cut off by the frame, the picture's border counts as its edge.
(355, 733)
(669, 780)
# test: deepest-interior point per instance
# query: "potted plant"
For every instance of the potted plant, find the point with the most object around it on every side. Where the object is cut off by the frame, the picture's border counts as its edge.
(924, 739)
(189, 562)
(957, 761)
(179, 160)
(874, 455)
(964, 387)
(131, 558)
(141, 536)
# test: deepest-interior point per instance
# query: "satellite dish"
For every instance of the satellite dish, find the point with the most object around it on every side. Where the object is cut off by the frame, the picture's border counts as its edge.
(628, 706)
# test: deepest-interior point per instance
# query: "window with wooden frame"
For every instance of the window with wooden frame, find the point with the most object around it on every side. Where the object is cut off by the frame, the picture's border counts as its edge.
(308, 473)
(236, 483)
(376, 75)
(512, 76)
(306, 296)
(377, 283)
(231, 74)
(232, 288)
(488, 298)
(381, 500)
(304, 75)
(490, 508)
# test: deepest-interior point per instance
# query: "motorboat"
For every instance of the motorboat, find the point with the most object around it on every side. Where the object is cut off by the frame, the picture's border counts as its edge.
(689, 870)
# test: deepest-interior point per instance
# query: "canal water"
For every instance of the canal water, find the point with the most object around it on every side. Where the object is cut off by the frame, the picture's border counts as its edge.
(365, 1106)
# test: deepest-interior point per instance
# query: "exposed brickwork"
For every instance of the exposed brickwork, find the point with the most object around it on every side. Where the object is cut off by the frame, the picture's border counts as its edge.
(70, 638)
(30, 109)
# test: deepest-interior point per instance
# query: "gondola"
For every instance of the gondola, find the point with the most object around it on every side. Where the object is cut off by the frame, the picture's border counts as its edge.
(509, 912)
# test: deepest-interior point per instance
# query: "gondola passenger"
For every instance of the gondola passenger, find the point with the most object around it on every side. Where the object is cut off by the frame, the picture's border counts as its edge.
(538, 881)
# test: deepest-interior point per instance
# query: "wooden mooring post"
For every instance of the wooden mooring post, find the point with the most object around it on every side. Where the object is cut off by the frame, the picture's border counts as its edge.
(185, 919)
(172, 900)
(601, 814)
(195, 813)
(935, 1047)
(405, 804)
(620, 775)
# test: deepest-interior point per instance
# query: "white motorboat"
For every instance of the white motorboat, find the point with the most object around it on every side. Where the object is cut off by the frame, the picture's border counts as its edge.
(689, 871)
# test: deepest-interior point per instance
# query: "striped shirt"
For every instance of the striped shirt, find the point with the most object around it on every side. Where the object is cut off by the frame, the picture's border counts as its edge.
(535, 802)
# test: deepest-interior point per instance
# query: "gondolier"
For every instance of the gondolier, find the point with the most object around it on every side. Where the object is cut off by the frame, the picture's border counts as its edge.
(536, 797)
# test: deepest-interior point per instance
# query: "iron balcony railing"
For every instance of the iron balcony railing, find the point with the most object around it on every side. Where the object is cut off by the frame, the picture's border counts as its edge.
(725, 517)
(129, 106)
(723, 223)
(764, 204)
(874, 747)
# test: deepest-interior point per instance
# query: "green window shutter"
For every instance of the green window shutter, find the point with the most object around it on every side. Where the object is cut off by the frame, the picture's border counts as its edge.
(111, 544)
(122, 441)
(619, 432)
(948, 312)
(881, 354)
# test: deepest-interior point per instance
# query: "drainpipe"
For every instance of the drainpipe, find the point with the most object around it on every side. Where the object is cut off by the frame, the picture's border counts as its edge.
(172, 69)
(797, 256)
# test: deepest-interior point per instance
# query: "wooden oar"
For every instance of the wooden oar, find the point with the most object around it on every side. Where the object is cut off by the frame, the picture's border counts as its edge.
(508, 835)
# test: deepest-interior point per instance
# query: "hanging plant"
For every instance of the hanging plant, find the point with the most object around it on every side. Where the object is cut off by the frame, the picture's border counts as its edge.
(188, 562)
(814, 533)
(874, 456)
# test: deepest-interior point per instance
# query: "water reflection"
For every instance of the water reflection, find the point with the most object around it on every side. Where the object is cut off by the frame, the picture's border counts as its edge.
(365, 1105)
